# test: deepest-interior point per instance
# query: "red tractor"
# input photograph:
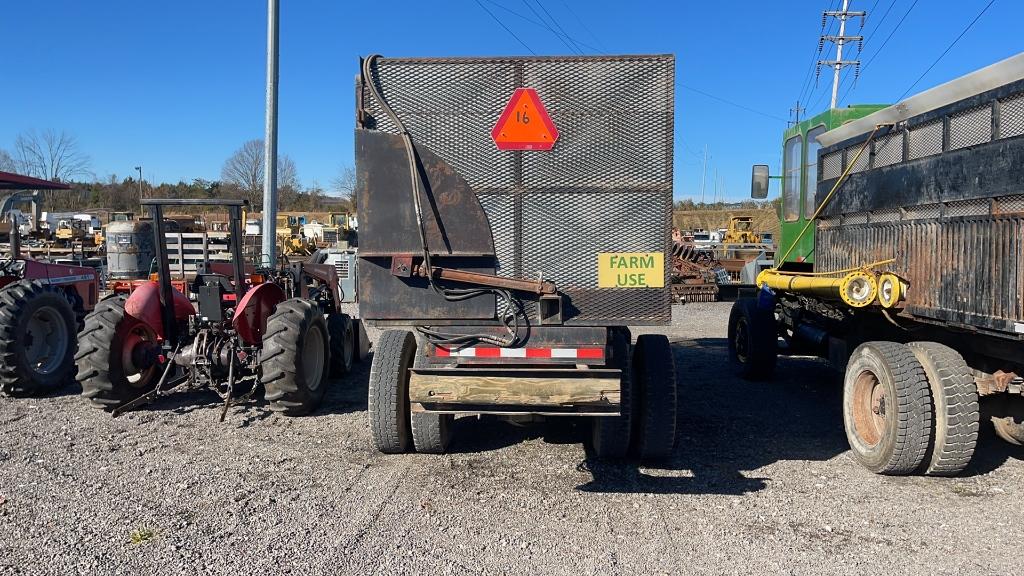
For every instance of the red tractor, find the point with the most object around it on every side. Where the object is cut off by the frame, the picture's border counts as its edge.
(242, 329)
(41, 306)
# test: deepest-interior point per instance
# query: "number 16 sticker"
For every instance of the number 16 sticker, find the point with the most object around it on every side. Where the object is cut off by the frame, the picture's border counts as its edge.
(524, 124)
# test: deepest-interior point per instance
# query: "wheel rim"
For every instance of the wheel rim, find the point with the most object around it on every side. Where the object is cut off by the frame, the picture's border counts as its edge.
(313, 358)
(348, 348)
(740, 340)
(134, 344)
(870, 405)
(46, 340)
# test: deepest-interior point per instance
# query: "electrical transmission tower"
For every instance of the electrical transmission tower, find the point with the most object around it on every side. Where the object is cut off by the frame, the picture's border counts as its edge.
(840, 40)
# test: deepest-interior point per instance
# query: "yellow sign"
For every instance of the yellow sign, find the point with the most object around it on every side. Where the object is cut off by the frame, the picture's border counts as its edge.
(631, 270)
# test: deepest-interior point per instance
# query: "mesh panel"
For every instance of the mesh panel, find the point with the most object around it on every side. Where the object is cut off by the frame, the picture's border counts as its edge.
(563, 233)
(621, 304)
(891, 215)
(1011, 116)
(925, 140)
(855, 218)
(924, 211)
(832, 165)
(976, 207)
(1010, 204)
(970, 127)
(500, 209)
(828, 222)
(450, 107)
(862, 163)
(889, 149)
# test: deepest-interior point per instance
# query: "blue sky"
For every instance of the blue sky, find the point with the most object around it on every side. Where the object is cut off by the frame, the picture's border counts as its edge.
(177, 86)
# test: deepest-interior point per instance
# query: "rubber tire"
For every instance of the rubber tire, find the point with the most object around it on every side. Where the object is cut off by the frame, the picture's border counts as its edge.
(904, 442)
(611, 435)
(362, 350)
(281, 368)
(388, 402)
(431, 432)
(100, 373)
(342, 334)
(18, 302)
(761, 340)
(955, 406)
(654, 377)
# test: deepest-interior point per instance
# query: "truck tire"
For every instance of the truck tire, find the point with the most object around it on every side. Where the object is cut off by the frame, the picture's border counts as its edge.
(431, 432)
(1008, 417)
(388, 402)
(110, 351)
(654, 411)
(342, 334)
(887, 410)
(753, 340)
(955, 406)
(37, 339)
(295, 358)
(362, 349)
(610, 435)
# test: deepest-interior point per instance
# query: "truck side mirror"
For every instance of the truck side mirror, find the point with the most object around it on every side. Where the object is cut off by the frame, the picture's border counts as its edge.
(759, 182)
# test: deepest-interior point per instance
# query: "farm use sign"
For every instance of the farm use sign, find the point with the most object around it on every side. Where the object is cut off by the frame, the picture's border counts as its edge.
(631, 270)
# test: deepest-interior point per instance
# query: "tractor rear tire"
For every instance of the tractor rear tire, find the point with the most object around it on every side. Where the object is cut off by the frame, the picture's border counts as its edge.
(610, 435)
(654, 412)
(887, 409)
(753, 340)
(388, 402)
(105, 369)
(295, 358)
(343, 343)
(37, 339)
(955, 405)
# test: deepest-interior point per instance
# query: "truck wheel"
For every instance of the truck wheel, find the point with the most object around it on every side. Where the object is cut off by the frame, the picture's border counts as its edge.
(389, 391)
(654, 412)
(955, 405)
(295, 356)
(340, 328)
(753, 340)
(1007, 416)
(37, 339)
(362, 349)
(610, 435)
(431, 432)
(887, 408)
(116, 356)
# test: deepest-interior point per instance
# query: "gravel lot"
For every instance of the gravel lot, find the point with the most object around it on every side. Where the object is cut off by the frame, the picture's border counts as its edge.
(761, 482)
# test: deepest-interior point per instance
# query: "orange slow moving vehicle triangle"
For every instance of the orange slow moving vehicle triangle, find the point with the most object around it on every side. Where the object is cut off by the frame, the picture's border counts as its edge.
(525, 124)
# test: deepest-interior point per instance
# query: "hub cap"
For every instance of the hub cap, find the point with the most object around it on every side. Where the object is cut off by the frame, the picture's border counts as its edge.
(870, 403)
(46, 340)
(313, 359)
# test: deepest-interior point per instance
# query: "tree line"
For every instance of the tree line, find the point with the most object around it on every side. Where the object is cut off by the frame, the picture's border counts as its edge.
(57, 155)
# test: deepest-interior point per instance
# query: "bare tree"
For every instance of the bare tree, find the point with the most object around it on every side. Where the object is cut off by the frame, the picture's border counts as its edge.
(245, 169)
(345, 184)
(6, 162)
(51, 155)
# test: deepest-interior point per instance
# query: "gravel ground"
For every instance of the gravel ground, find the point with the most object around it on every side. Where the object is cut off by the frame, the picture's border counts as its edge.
(761, 482)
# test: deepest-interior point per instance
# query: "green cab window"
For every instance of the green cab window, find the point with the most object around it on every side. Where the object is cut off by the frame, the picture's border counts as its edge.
(811, 173)
(793, 161)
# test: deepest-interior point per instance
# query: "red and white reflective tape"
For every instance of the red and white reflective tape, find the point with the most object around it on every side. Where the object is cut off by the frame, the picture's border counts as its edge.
(588, 353)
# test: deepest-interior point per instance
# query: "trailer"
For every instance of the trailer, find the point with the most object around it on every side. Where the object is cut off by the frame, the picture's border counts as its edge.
(484, 191)
(902, 262)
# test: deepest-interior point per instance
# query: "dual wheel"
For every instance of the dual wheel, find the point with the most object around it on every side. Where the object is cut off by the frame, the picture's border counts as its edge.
(645, 427)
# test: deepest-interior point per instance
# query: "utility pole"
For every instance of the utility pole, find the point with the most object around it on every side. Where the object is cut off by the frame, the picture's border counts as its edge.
(795, 113)
(270, 143)
(840, 40)
(703, 173)
(139, 168)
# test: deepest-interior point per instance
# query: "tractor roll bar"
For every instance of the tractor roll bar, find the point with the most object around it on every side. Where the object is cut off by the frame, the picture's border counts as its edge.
(156, 212)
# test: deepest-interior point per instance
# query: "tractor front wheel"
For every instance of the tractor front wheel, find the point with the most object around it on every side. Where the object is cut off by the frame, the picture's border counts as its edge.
(37, 339)
(117, 356)
(295, 358)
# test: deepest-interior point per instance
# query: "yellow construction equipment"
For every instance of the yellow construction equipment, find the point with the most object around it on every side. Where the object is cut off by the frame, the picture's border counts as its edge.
(741, 231)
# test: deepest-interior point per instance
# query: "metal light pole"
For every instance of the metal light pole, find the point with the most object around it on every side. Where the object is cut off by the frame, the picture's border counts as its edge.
(139, 168)
(270, 142)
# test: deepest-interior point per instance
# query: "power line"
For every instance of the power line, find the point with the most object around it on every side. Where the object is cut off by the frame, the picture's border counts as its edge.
(550, 29)
(948, 48)
(557, 25)
(534, 22)
(740, 106)
(584, 25)
(814, 60)
(507, 29)
(867, 41)
(886, 41)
